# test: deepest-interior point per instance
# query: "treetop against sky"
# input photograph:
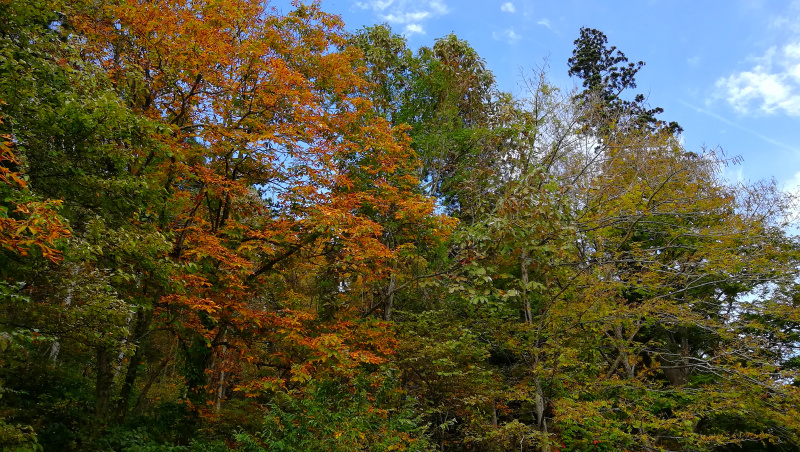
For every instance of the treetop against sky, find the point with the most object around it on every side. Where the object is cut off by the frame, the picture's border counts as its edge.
(729, 72)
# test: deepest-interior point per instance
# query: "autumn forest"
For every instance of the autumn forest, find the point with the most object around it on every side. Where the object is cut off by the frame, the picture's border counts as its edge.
(226, 227)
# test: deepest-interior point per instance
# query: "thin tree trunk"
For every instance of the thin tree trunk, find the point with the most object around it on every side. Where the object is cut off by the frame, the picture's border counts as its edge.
(143, 320)
(526, 298)
(630, 369)
(220, 390)
(389, 298)
(103, 383)
(55, 349)
(540, 418)
(121, 355)
(153, 377)
(221, 387)
(677, 369)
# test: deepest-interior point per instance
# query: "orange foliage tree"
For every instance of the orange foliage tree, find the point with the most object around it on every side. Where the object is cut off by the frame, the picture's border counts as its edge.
(275, 174)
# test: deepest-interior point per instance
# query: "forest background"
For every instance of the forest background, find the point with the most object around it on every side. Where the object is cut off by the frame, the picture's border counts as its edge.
(226, 227)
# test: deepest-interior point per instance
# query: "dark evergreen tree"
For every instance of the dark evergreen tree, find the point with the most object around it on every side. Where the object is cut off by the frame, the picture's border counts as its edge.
(606, 74)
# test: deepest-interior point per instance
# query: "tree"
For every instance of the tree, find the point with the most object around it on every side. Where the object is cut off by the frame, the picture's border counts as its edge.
(220, 162)
(668, 252)
(266, 124)
(69, 125)
(606, 73)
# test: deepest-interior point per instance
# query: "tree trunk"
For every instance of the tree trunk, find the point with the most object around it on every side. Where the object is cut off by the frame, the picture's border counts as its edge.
(677, 370)
(104, 382)
(55, 349)
(540, 417)
(630, 369)
(526, 298)
(388, 302)
(143, 320)
(153, 377)
(221, 383)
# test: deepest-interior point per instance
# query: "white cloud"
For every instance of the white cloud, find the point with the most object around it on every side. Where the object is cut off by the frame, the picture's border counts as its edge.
(508, 35)
(508, 7)
(793, 184)
(693, 61)
(414, 28)
(546, 22)
(375, 5)
(772, 85)
(405, 18)
(438, 7)
(408, 13)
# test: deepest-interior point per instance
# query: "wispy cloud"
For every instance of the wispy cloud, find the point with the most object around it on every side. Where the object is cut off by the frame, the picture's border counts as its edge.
(740, 127)
(508, 35)
(788, 21)
(545, 22)
(733, 173)
(410, 14)
(508, 7)
(772, 83)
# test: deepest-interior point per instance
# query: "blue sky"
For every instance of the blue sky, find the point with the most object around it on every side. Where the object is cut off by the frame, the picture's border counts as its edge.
(727, 71)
